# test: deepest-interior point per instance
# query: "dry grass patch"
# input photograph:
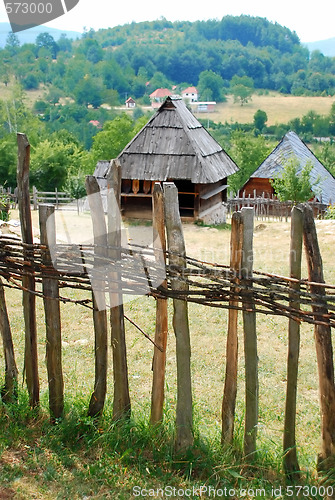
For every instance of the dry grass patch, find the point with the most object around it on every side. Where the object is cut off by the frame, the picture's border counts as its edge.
(279, 108)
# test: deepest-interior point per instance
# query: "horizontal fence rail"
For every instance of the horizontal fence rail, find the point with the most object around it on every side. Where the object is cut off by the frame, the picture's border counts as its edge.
(56, 197)
(209, 284)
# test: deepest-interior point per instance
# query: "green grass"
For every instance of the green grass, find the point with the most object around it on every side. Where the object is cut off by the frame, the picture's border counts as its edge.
(80, 457)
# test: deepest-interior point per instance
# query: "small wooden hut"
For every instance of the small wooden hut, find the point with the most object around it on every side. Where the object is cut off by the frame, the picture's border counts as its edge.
(173, 146)
(290, 147)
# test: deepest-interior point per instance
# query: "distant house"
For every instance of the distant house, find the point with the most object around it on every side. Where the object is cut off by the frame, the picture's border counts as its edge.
(290, 147)
(158, 96)
(173, 146)
(130, 103)
(204, 107)
(190, 94)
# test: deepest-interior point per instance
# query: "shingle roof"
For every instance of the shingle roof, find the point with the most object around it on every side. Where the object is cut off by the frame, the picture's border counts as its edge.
(174, 145)
(291, 146)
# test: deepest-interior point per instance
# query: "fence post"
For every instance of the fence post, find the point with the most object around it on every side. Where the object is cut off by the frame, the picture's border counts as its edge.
(52, 314)
(176, 246)
(28, 279)
(121, 405)
(159, 359)
(323, 340)
(56, 196)
(9, 391)
(250, 336)
(290, 460)
(230, 385)
(35, 197)
(98, 282)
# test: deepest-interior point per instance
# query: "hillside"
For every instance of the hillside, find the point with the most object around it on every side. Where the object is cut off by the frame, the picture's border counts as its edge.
(135, 59)
(29, 36)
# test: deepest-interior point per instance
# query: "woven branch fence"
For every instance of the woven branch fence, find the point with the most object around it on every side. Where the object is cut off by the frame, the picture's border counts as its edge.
(269, 207)
(107, 271)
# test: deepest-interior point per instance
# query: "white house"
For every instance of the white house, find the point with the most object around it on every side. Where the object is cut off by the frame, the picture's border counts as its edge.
(190, 94)
(130, 103)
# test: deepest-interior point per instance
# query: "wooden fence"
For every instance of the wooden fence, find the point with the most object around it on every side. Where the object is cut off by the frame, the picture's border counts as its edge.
(28, 266)
(57, 198)
(270, 207)
(265, 207)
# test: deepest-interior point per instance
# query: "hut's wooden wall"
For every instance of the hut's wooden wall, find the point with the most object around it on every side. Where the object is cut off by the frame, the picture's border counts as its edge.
(205, 203)
(257, 186)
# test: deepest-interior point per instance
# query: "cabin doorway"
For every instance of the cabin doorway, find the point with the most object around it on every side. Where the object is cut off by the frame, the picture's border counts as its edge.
(186, 196)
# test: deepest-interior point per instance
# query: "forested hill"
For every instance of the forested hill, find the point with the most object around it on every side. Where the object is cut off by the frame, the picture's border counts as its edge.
(246, 29)
(268, 53)
(135, 59)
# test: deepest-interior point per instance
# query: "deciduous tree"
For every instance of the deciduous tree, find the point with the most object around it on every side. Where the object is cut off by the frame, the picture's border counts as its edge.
(294, 184)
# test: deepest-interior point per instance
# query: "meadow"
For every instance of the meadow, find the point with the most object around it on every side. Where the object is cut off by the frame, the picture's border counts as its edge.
(82, 458)
(280, 108)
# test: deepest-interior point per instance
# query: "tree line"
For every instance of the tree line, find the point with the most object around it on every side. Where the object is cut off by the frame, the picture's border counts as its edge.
(108, 65)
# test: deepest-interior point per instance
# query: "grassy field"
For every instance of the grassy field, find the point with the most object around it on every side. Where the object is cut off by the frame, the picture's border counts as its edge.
(31, 95)
(79, 458)
(278, 107)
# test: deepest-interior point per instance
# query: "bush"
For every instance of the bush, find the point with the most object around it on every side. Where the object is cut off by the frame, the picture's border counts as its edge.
(4, 207)
(30, 82)
(330, 212)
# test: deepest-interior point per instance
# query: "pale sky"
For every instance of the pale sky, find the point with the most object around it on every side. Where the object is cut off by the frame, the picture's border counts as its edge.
(311, 21)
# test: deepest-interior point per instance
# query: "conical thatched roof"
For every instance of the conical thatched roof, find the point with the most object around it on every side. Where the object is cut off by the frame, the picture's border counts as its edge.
(292, 147)
(174, 145)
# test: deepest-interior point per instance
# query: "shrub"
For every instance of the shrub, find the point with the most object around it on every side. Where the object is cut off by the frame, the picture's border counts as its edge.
(330, 212)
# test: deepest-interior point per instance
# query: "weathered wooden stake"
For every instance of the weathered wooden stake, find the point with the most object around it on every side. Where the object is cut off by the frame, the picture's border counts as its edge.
(290, 461)
(35, 204)
(250, 337)
(52, 315)
(98, 284)
(28, 280)
(230, 385)
(323, 340)
(158, 365)
(176, 246)
(121, 405)
(9, 391)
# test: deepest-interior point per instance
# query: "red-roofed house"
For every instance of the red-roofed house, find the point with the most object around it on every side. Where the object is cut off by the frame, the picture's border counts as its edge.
(190, 94)
(95, 123)
(158, 96)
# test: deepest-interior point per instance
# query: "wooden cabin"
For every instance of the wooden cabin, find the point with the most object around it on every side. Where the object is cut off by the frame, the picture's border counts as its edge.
(290, 147)
(173, 146)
